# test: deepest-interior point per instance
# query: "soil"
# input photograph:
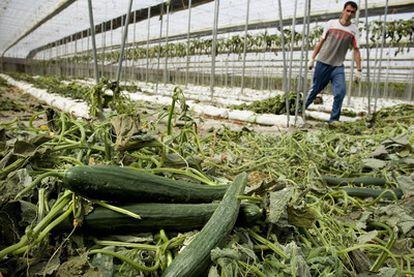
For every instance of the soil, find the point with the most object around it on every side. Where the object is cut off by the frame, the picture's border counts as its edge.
(16, 104)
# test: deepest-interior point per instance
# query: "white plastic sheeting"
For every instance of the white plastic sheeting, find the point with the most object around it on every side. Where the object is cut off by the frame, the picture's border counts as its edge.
(17, 16)
(80, 109)
(74, 107)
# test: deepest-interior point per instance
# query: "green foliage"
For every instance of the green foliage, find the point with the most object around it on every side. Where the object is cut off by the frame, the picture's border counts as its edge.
(274, 105)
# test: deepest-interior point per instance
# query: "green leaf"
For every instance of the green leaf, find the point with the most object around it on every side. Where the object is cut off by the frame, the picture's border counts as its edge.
(278, 203)
(301, 217)
(406, 184)
(374, 163)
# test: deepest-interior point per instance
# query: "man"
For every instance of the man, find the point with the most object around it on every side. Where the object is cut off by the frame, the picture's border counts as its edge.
(339, 35)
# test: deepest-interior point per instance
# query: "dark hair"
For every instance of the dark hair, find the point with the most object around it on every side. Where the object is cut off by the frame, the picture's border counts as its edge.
(352, 4)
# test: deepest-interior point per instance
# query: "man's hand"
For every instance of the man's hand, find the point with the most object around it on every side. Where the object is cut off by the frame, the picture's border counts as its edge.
(357, 75)
(311, 64)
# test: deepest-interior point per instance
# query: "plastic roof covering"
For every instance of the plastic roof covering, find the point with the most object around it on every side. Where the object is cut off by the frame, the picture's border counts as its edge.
(75, 18)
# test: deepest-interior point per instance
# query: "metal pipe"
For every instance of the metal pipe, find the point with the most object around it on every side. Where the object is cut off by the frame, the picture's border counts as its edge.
(292, 38)
(386, 94)
(305, 77)
(381, 54)
(367, 49)
(187, 67)
(87, 51)
(166, 44)
(213, 48)
(299, 86)
(245, 47)
(284, 82)
(351, 76)
(103, 48)
(148, 35)
(95, 61)
(124, 37)
(132, 65)
(159, 49)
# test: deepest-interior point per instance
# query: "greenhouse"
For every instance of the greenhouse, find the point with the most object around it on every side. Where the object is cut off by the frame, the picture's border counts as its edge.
(206, 138)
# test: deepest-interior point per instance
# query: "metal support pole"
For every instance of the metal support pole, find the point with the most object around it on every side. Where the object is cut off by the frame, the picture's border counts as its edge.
(305, 80)
(87, 51)
(124, 37)
(299, 84)
(381, 54)
(285, 81)
(159, 49)
(132, 65)
(292, 38)
(246, 25)
(367, 49)
(187, 66)
(166, 44)
(103, 48)
(351, 76)
(411, 83)
(95, 61)
(148, 35)
(112, 43)
(386, 94)
(213, 48)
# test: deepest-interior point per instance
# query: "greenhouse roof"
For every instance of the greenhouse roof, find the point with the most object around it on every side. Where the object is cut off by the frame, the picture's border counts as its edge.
(33, 24)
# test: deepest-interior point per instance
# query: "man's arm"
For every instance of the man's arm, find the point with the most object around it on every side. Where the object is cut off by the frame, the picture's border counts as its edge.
(317, 48)
(357, 58)
(315, 52)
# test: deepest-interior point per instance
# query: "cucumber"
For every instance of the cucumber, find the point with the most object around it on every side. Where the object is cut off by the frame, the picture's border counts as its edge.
(156, 216)
(374, 193)
(366, 180)
(194, 259)
(123, 184)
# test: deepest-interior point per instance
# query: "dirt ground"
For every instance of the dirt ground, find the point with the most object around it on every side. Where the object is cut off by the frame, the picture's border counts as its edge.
(14, 103)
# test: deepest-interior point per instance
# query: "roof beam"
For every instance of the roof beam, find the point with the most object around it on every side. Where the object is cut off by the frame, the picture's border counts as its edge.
(141, 15)
(179, 5)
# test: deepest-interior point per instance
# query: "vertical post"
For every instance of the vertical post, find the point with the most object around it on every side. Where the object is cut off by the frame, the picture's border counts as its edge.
(134, 47)
(148, 35)
(381, 54)
(299, 85)
(166, 44)
(87, 52)
(213, 48)
(187, 67)
(112, 44)
(76, 65)
(305, 80)
(367, 59)
(292, 38)
(103, 48)
(124, 36)
(305, 77)
(387, 73)
(282, 36)
(95, 61)
(246, 25)
(411, 83)
(159, 49)
(351, 76)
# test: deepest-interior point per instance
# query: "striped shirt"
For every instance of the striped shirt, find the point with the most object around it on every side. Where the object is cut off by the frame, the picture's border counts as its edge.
(338, 39)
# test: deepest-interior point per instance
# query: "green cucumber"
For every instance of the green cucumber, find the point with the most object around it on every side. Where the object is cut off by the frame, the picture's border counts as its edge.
(194, 259)
(366, 180)
(156, 216)
(374, 193)
(123, 184)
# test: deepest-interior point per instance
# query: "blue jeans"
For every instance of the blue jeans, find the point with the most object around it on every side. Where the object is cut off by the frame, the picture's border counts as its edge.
(325, 73)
